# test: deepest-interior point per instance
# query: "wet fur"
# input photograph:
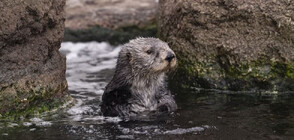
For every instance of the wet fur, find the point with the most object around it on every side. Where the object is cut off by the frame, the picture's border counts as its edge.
(138, 87)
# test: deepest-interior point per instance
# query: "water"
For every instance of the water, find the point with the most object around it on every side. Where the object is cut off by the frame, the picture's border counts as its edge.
(201, 114)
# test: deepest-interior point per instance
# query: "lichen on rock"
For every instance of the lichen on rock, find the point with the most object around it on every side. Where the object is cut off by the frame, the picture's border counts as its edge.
(231, 45)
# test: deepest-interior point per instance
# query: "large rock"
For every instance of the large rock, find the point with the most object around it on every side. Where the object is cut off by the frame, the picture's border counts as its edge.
(115, 21)
(81, 14)
(32, 71)
(231, 44)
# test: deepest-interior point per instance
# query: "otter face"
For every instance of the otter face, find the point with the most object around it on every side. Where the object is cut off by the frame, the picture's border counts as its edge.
(150, 55)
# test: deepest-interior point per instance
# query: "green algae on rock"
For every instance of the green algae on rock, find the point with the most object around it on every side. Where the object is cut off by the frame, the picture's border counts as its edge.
(33, 101)
(231, 45)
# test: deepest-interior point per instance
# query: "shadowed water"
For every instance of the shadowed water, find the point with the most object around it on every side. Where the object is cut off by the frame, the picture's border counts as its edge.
(202, 114)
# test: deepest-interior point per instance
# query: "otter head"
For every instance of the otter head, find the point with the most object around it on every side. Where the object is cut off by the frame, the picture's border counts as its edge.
(148, 56)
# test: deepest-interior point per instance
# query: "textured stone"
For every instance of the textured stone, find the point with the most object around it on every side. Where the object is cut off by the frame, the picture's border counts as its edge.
(231, 44)
(32, 71)
(114, 21)
(83, 14)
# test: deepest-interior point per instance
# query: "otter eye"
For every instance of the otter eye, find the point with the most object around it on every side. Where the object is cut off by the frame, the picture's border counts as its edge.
(148, 51)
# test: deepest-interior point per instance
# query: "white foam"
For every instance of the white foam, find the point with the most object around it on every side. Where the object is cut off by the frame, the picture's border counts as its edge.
(125, 137)
(12, 125)
(44, 123)
(99, 92)
(184, 130)
(85, 51)
(113, 119)
(40, 122)
(77, 108)
(84, 59)
(27, 124)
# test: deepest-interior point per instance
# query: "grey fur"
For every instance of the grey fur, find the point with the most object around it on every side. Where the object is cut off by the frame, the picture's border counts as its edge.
(138, 87)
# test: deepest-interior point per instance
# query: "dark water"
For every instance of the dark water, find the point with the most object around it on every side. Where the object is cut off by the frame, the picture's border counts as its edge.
(201, 114)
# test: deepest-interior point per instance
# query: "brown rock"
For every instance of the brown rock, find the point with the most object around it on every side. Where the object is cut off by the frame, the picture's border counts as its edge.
(231, 44)
(32, 71)
(82, 14)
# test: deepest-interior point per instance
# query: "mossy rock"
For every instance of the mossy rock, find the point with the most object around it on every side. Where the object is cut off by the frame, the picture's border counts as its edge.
(28, 103)
(242, 46)
(32, 70)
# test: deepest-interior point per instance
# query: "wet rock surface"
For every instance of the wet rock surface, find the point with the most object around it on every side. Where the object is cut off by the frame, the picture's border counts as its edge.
(32, 70)
(233, 45)
(114, 21)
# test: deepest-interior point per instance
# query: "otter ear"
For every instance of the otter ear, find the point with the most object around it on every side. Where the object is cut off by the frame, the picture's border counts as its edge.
(130, 57)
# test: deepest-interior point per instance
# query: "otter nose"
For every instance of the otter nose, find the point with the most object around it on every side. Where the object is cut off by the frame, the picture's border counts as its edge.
(170, 56)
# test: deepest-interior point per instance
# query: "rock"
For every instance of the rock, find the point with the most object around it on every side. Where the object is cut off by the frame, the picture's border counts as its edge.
(231, 44)
(32, 71)
(82, 14)
(115, 21)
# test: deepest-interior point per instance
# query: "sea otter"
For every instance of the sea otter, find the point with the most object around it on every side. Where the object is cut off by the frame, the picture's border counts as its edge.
(138, 87)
